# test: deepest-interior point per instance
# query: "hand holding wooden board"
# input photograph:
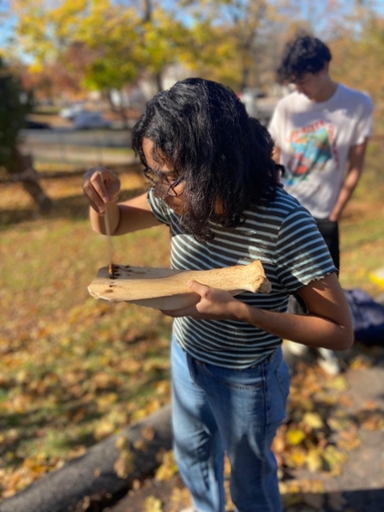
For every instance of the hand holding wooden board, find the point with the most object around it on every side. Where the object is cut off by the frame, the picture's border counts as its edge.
(167, 289)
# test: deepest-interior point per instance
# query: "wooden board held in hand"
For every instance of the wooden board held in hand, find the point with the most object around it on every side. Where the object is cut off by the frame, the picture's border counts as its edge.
(167, 289)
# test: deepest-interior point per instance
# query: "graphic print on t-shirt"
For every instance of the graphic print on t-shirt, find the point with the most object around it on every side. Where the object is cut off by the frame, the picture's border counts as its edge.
(311, 147)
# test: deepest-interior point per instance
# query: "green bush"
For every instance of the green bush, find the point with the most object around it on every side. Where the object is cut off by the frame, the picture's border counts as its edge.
(15, 104)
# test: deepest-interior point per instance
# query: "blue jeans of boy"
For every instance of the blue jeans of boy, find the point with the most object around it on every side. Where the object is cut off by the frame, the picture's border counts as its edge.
(217, 410)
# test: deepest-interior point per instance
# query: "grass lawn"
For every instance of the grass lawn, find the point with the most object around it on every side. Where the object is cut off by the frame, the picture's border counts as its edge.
(74, 370)
(362, 226)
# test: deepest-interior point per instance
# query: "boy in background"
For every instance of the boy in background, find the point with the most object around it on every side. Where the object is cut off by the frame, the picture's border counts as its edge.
(320, 133)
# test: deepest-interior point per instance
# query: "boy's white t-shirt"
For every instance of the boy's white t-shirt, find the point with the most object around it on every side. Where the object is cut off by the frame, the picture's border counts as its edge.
(315, 139)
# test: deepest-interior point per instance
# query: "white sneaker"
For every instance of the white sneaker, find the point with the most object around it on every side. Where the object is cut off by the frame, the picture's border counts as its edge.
(189, 509)
(297, 349)
(328, 361)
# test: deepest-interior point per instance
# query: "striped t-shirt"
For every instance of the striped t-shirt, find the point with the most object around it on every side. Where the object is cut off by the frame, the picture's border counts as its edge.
(284, 237)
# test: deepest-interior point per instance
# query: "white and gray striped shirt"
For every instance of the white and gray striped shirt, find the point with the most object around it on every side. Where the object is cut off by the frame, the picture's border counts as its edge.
(284, 237)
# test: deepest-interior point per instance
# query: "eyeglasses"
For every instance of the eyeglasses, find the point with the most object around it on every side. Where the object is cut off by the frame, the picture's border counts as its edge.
(162, 183)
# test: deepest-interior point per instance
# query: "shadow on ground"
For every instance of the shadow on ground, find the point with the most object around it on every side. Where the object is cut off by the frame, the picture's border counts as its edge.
(362, 500)
(171, 497)
(72, 207)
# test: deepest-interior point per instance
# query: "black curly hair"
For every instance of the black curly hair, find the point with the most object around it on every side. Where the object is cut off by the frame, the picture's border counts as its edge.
(305, 54)
(224, 155)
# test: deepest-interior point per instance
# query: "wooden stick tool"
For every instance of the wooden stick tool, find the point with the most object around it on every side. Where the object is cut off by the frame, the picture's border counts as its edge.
(107, 223)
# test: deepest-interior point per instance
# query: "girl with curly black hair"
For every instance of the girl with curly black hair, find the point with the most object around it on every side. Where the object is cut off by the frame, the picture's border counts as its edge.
(214, 183)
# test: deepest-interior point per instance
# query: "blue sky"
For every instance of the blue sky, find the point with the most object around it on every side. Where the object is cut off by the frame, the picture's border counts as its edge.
(7, 22)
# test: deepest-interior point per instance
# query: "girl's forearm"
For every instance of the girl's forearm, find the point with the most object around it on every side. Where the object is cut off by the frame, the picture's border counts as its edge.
(310, 330)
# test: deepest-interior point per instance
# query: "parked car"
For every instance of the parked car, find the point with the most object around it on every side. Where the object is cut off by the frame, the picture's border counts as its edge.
(36, 125)
(258, 104)
(250, 96)
(88, 120)
(72, 111)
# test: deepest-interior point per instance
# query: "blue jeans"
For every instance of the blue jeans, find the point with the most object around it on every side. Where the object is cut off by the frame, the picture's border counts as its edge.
(217, 410)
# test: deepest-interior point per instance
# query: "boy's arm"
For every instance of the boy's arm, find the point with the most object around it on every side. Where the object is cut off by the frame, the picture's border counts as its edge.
(274, 130)
(276, 158)
(276, 154)
(355, 168)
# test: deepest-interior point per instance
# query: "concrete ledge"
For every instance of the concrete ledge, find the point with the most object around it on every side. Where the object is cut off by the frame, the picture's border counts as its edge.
(106, 468)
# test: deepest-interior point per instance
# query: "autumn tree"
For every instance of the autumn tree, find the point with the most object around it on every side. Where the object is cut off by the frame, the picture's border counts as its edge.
(116, 41)
(15, 104)
(358, 58)
(93, 40)
(52, 80)
(246, 19)
(228, 38)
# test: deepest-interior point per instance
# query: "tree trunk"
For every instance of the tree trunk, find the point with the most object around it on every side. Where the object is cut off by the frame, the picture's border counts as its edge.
(106, 469)
(159, 81)
(120, 111)
(244, 77)
(29, 178)
(146, 6)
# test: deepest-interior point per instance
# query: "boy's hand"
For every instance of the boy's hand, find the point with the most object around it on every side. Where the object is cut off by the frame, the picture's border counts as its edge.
(214, 304)
(100, 186)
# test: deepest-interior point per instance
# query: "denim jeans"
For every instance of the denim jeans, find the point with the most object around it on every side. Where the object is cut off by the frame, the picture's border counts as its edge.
(330, 232)
(217, 410)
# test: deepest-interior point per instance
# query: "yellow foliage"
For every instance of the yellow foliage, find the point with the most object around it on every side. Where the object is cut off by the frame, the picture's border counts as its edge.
(296, 458)
(334, 458)
(35, 67)
(337, 383)
(104, 428)
(125, 464)
(213, 43)
(168, 467)
(152, 504)
(313, 420)
(314, 460)
(295, 436)
(121, 443)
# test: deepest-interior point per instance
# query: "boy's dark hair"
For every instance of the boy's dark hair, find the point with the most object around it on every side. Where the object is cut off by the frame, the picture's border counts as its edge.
(225, 156)
(305, 54)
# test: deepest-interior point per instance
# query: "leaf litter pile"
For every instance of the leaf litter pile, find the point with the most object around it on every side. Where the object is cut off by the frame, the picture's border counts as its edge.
(76, 370)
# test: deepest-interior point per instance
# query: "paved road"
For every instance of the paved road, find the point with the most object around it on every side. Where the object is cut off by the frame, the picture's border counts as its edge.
(69, 136)
(78, 156)
(78, 147)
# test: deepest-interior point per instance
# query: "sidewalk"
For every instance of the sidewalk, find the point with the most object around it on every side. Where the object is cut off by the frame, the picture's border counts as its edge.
(358, 488)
